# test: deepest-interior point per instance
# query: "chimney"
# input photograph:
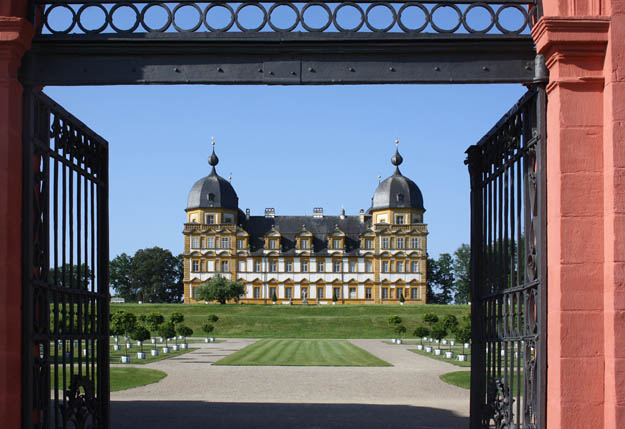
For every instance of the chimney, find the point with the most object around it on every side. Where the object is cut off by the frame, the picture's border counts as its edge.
(342, 213)
(247, 214)
(270, 212)
(362, 216)
(318, 212)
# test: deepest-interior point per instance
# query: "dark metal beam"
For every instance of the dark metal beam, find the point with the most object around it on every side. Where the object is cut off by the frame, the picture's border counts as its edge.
(276, 61)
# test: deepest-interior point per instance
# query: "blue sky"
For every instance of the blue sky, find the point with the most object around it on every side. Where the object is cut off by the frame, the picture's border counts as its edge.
(291, 148)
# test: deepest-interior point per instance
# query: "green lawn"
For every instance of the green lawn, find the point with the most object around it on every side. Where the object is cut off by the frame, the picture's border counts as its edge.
(453, 361)
(302, 353)
(458, 378)
(298, 321)
(122, 378)
(115, 356)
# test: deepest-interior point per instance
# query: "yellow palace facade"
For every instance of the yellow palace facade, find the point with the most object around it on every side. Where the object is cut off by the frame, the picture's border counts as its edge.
(374, 257)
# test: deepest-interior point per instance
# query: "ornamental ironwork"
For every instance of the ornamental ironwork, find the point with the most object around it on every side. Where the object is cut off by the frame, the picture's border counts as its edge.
(65, 282)
(422, 18)
(508, 247)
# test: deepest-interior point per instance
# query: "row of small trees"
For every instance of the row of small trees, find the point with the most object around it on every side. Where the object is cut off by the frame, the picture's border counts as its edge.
(437, 328)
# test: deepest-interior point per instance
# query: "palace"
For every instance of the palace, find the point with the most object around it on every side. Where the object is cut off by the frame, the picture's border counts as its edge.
(375, 257)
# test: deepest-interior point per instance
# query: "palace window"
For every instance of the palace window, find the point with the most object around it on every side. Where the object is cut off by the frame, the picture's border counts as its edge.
(304, 244)
(240, 244)
(224, 266)
(385, 267)
(195, 242)
(368, 293)
(368, 244)
(336, 244)
(304, 293)
(352, 266)
(256, 292)
(289, 292)
(195, 266)
(400, 267)
(304, 266)
(210, 242)
(414, 293)
(289, 266)
(415, 267)
(225, 243)
(399, 220)
(385, 243)
(319, 292)
(272, 244)
(202, 266)
(400, 243)
(384, 293)
(241, 266)
(272, 292)
(273, 266)
(320, 267)
(414, 243)
(368, 266)
(352, 293)
(337, 292)
(337, 266)
(210, 219)
(257, 266)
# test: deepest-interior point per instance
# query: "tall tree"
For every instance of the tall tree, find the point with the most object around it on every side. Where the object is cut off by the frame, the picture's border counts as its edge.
(120, 271)
(440, 279)
(151, 275)
(219, 289)
(74, 276)
(462, 274)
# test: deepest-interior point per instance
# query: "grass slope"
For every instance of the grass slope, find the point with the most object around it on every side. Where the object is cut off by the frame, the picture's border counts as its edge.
(298, 321)
(120, 378)
(302, 353)
(458, 378)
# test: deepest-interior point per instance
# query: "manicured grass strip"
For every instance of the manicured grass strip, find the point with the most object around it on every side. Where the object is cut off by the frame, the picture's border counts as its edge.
(120, 378)
(302, 353)
(458, 378)
(298, 321)
(116, 356)
(453, 361)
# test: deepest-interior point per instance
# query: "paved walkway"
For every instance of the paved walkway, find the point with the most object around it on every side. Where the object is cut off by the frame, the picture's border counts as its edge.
(197, 394)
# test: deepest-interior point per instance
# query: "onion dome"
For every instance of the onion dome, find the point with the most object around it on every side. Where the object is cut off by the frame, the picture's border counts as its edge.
(212, 191)
(397, 191)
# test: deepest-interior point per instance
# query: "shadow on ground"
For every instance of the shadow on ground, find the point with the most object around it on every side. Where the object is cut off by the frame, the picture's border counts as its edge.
(197, 414)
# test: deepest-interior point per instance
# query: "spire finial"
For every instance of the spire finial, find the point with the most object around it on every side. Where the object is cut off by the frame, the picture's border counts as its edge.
(397, 159)
(213, 160)
(379, 179)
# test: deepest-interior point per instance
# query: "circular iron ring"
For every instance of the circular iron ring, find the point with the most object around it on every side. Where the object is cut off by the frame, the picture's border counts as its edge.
(79, 18)
(313, 29)
(384, 5)
(156, 30)
(288, 29)
(470, 29)
(64, 6)
(137, 17)
(452, 6)
(199, 19)
(250, 30)
(425, 11)
(225, 6)
(336, 14)
(511, 6)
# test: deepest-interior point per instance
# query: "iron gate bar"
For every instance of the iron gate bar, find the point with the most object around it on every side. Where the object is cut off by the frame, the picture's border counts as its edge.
(508, 269)
(168, 55)
(65, 316)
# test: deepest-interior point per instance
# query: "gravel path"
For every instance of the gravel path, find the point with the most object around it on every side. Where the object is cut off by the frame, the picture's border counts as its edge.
(407, 395)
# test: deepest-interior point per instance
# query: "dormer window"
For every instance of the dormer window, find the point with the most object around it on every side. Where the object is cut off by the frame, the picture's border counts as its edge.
(211, 197)
(272, 244)
(368, 244)
(400, 198)
(304, 244)
(336, 244)
(399, 220)
(210, 219)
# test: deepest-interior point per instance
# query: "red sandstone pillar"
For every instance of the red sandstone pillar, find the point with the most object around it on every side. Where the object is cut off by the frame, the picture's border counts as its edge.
(15, 36)
(584, 46)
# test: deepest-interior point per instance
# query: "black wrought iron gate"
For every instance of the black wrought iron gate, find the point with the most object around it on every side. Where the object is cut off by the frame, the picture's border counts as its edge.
(65, 272)
(508, 251)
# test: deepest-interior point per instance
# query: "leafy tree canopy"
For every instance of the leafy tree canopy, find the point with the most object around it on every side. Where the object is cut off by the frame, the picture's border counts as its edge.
(71, 276)
(430, 318)
(421, 331)
(151, 275)
(450, 322)
(462, 274)
(153, 320)
(440, 279)
(208, 328)
(220, 289)
(140, 333)
(176, 318)
(394, 320)
(122, 323)
(185, 331)
(438, 331)
(463, 335)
